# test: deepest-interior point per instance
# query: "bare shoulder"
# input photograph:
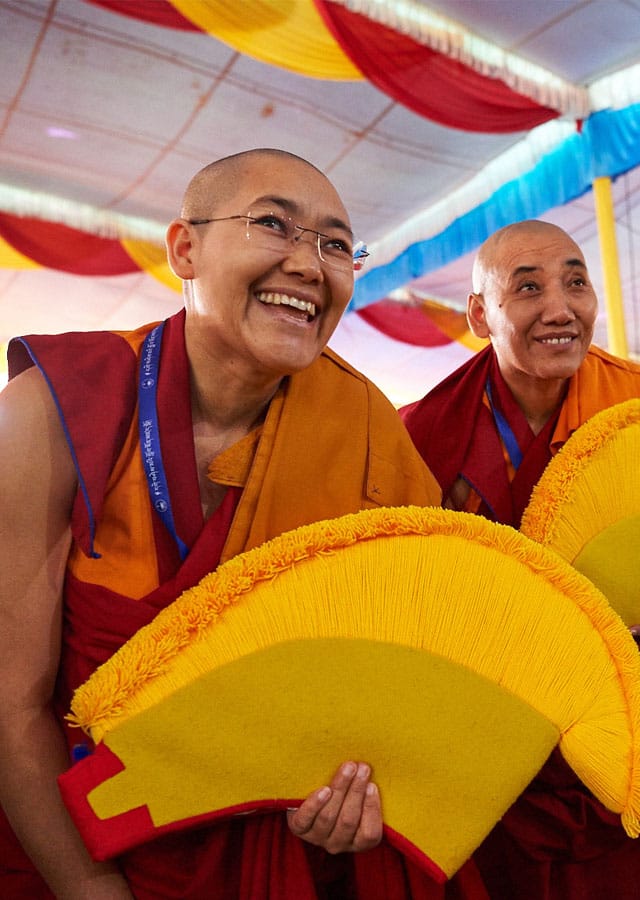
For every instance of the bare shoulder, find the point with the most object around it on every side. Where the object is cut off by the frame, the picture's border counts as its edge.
(37, 489)
(34, 454)
(25, 397)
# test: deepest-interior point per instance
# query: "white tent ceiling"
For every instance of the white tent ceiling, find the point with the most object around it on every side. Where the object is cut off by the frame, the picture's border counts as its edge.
(101, 109)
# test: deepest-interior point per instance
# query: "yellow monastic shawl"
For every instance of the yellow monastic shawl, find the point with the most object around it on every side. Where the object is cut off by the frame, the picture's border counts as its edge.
(331, 444)
(601, 381)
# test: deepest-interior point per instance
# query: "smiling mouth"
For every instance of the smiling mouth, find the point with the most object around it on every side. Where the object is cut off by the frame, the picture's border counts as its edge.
(556, 341)
(271, 298)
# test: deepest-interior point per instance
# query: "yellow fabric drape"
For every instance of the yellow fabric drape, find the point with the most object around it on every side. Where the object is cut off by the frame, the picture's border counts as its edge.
(286, 33)
(454, 325)
(10, 258)
(152, 260)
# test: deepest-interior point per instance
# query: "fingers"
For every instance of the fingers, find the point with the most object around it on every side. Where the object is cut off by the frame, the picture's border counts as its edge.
(301, 820)
(346, 815)
(369, 833)
(339, 819)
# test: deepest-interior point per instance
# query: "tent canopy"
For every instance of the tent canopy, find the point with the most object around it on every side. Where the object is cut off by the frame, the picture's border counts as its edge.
(437, 121)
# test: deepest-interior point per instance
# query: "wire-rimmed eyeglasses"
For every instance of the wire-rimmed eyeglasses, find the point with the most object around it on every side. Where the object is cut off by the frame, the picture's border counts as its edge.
(277, 232)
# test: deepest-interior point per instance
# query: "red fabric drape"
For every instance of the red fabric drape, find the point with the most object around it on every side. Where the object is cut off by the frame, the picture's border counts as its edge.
(409, 324)
(158, 13)
(427, 82)
(68, 249)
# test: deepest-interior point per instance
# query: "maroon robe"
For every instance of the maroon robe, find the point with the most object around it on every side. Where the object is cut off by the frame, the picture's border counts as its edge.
(251, 857)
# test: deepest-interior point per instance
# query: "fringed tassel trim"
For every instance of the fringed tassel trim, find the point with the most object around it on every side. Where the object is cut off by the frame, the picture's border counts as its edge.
(616, 91)
(576, 742)
(150, 651)
(554, 488)
(101, 222)
(109, 695)
(541, 522)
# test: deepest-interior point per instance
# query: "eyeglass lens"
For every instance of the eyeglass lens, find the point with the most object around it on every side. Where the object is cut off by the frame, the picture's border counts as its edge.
(271, 230)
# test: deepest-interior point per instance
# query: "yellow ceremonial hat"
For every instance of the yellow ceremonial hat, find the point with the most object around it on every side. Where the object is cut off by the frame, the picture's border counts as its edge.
(451, 653)
(586, 505)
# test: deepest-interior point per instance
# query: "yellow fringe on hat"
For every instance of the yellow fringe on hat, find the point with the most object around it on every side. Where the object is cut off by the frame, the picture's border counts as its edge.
(453, 584)
(579, 493)
(586, 505)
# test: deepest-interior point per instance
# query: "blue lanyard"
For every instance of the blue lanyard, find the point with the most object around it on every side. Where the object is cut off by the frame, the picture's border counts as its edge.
(506, 432)
(149, 433)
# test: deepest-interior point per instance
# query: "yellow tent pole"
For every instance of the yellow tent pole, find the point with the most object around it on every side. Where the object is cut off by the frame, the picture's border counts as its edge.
(610, 270)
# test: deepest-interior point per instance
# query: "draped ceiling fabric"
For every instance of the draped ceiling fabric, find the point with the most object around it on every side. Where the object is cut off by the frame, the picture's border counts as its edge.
(406, 348)
(428, 82)
(426, 69)
(28, 243)
(291, 35)
(608, 144)
(420, 323)
(165, 14)
(326, 40)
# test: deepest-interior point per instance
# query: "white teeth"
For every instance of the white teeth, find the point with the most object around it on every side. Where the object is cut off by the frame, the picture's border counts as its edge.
(285, 300)
(566, 340)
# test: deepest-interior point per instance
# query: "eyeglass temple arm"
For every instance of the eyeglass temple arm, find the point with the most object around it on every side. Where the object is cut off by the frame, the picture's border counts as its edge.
(360, 250)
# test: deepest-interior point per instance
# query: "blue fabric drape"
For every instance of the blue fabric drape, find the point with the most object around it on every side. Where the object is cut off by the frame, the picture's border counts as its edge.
(608, 145)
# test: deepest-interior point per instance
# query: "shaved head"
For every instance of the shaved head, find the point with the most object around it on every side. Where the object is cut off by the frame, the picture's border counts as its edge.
(533, 299)
(217, 182)
(266, 303)
(492, 253)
